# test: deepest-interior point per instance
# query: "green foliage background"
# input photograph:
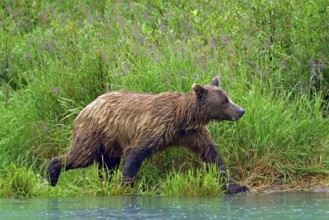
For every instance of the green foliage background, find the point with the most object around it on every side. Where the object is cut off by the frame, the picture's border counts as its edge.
(272, 57)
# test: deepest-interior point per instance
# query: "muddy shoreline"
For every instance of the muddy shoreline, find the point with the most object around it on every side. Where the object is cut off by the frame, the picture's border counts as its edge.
(291, 188)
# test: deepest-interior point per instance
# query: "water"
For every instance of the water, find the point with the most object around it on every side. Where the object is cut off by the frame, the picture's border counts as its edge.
(255, 206)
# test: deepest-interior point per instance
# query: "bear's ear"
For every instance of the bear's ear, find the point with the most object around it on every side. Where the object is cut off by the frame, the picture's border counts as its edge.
(215, 81)
(199, 90)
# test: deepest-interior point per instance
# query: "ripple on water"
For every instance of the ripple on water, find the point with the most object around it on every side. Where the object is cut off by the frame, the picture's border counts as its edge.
(258, 206)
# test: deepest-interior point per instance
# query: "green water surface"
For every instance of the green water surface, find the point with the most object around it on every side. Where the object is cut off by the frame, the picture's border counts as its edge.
(301, 205)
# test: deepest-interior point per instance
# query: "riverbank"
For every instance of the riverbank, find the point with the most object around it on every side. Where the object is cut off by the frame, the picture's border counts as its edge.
(20, 182)
(313, 184)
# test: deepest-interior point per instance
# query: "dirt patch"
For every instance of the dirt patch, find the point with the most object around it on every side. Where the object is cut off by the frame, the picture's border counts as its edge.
(323, 189)
(290, 188)
(312, 184)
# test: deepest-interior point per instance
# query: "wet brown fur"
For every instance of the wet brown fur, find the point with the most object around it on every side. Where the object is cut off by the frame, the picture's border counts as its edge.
(135, 125)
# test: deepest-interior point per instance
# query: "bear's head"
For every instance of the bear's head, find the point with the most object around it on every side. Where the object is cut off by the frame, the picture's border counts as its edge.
(215, 102)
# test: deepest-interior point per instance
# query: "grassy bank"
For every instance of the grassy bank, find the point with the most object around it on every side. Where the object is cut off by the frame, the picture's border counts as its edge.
(272, 57)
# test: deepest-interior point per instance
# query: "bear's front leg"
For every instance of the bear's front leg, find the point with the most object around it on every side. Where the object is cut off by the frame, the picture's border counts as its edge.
(209, 154)
(200, 142)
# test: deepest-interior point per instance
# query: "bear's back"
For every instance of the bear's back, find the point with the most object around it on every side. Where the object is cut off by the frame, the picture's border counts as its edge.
(126, 116)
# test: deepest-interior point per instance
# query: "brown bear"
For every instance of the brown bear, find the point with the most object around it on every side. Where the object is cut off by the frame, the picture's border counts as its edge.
(133, 126)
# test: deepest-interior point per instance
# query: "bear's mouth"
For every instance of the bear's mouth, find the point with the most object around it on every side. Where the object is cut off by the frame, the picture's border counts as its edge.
(234, 117)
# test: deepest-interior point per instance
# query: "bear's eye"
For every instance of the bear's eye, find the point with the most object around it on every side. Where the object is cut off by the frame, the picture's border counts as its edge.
(225, 101)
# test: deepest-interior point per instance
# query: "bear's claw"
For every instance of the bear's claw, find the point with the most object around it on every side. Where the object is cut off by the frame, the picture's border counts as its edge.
(237, 189)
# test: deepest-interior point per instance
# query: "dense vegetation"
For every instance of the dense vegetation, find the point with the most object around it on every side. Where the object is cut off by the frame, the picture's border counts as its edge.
(272, 57)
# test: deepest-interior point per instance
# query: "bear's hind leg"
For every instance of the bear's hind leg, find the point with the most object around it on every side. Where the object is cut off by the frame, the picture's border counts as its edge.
(68, 162)
(133, 161)
(107, 164)
(54, 170)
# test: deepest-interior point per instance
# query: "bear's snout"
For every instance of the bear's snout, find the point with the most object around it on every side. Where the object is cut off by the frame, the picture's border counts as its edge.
(242, 111)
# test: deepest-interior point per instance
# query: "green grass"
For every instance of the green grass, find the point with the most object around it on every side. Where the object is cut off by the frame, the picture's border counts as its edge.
(272, 57)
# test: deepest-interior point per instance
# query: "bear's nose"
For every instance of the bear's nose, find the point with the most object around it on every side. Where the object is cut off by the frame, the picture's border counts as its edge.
(242, 111)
